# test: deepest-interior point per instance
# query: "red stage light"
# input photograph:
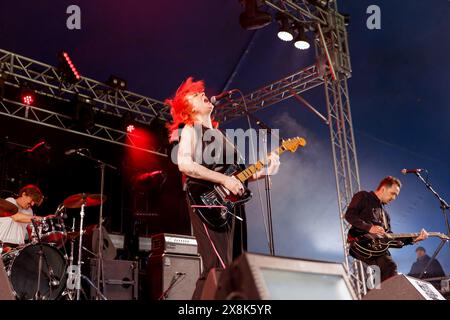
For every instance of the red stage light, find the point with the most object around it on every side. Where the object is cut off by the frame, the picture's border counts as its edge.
(130, 128)
(27, 99)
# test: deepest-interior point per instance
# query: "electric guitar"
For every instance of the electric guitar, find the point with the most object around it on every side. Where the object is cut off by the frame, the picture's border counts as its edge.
(372, 245)
(215, 204)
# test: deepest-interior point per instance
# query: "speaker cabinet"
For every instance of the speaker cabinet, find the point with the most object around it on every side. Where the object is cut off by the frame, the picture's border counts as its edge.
(173, 276)
(263, 277)
(120, 278)
(6, 292)
(401, 287)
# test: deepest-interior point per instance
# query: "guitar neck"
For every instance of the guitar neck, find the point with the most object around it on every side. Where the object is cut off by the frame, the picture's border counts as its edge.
(252, 169)
(411, 235)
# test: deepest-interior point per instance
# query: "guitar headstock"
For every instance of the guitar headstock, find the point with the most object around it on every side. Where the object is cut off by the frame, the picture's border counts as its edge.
(293, 143)
(443, 236)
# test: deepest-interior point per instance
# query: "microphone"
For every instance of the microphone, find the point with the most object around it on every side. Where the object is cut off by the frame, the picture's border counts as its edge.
(71, 151)
(215, 99)
(406, 171)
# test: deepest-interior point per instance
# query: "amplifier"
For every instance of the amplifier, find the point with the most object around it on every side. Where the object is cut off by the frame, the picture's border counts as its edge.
(174, 243)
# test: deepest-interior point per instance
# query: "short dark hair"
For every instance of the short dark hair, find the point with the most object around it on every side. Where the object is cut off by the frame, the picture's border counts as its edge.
(388, 182)
(34, 192)
(421, 248)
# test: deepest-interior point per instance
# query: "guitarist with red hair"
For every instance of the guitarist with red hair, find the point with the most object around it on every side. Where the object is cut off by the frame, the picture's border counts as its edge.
(191, 112)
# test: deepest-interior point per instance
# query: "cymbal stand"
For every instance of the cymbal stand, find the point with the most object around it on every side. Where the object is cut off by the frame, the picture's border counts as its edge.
(80, 245)
(70, 285)
(100, 276)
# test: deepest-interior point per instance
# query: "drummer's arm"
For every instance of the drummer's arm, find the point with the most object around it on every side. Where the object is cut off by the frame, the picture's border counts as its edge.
(23, 218)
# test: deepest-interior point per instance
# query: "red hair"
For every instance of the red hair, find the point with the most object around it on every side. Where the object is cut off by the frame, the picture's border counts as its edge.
(180, 108)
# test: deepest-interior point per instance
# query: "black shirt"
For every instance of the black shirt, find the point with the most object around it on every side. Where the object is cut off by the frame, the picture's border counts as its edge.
(364, 211)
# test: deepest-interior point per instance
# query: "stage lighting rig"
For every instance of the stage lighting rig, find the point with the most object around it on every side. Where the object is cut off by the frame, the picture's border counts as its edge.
(285, 32)
(253, 18)
(67, 69)
(301, 41)
(116, 83)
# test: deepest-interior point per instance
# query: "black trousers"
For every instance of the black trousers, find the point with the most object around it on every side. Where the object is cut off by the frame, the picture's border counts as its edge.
(218, 248)
(388, 267)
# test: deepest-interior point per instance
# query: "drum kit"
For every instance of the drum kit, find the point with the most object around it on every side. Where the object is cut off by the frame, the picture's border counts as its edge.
(41, 269)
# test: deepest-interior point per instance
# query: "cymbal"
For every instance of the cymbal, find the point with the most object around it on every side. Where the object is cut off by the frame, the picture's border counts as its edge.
(7, 208)
(89, 200)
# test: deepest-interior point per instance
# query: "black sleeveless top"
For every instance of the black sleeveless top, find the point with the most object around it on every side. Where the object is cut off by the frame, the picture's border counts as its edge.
(214, 154)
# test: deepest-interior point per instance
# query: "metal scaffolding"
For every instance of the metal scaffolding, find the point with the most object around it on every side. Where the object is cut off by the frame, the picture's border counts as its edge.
(47, 81)
(332, 69)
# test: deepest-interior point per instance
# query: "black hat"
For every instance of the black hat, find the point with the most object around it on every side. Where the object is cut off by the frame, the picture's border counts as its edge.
(421, 248)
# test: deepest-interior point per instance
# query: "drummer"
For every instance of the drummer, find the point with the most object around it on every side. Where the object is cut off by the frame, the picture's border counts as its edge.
(16, 217)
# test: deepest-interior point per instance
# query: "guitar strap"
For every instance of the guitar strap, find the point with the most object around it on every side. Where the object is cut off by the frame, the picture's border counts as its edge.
(214, 247)
(384, 219)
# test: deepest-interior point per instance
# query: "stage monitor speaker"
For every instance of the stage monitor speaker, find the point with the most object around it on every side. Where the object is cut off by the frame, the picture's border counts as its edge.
(401, 287)
(6, 291)
(120, 277)
(173, 276)
(263, 277)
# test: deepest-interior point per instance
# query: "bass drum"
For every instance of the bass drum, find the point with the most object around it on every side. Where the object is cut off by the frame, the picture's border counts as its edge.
(22, 266)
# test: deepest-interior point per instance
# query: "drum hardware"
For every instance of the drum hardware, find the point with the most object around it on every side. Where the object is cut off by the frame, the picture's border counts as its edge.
(99, 200)
(53, 281)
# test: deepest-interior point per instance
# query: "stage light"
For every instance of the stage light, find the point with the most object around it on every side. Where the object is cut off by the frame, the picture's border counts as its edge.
(301, 41)
(67, 69)
(128, 123)
(130, 128)
(320, 3)
(117, 83)
(253, 18)
(84, 115)
(27, 96)
(285, 32)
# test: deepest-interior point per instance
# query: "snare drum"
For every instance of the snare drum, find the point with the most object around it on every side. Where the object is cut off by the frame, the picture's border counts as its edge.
(52, 230)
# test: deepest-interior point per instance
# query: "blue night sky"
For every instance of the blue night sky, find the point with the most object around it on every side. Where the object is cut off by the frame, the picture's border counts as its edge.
(399, 95)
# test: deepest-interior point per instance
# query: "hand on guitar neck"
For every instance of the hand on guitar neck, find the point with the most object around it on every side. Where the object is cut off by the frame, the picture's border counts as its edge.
(380, 231)
(422, 236)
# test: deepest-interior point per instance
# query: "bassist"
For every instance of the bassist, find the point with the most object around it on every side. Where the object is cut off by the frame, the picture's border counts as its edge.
(366, 214)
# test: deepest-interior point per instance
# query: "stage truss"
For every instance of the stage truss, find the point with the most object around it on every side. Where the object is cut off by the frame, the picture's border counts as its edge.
(47, 81)
(332, 69)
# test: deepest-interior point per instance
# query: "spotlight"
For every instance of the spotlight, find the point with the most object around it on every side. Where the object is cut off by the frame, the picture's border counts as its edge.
(84, 117)
(320, 3)
(285, 33)
(67, 68)
(128, 122)
(346, 19)
(117, 83)
(253, 18)
(301, 41)
(27, 96)
(130, 128)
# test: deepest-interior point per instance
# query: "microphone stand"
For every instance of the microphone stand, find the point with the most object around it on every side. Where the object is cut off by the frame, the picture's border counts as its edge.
(262, 125)
(444, 207)
(100, 274)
